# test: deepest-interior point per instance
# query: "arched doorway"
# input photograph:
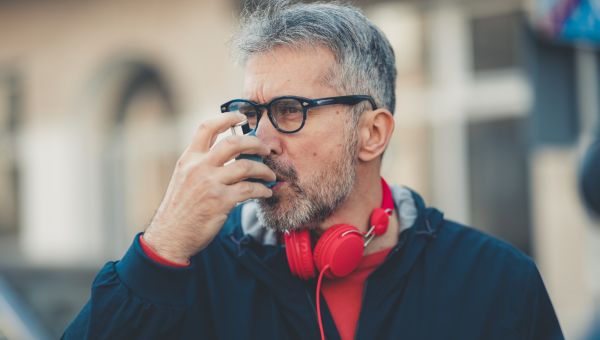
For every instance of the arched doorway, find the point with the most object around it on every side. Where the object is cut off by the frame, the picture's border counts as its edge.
(139, 154)
(128, 128)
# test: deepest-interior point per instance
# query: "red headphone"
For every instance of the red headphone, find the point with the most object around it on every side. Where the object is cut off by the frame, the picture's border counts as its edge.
(340, 248)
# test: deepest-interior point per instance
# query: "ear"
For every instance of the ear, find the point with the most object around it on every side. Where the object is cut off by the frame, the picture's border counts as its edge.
(376, 129)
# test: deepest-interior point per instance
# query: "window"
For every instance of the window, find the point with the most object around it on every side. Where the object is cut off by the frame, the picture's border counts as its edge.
(495, 41)
(142, 149)
(498, 179)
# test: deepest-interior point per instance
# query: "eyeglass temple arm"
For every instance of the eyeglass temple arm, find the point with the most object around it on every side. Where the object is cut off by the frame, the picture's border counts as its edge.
(348, 100)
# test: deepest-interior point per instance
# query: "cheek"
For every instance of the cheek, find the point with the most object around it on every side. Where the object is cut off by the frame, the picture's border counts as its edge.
(320, 149)
(320, 154)
(310, 156)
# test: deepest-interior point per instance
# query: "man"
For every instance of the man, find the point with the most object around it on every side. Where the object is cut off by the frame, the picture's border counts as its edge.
(319, 95)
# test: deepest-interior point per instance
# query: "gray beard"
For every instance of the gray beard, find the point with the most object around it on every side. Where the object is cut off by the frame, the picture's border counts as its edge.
(310, 203)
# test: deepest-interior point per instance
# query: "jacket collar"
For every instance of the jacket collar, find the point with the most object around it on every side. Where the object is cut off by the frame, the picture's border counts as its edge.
(256, 247)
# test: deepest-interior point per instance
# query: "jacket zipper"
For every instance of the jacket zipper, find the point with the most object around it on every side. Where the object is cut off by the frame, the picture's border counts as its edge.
(312, 305)
(362, 301)
(364, 292)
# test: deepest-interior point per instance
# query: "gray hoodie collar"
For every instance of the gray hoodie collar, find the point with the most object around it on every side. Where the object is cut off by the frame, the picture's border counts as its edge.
(404, 203)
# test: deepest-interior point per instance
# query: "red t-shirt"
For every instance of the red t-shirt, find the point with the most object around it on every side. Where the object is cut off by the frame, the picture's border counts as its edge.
(343, 296)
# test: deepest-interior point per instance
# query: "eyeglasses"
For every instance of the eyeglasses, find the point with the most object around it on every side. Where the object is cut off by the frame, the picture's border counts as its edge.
(288, 113)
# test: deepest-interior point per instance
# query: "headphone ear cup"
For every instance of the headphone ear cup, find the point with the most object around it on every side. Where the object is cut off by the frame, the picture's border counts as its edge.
(298, 250)
(341, 247)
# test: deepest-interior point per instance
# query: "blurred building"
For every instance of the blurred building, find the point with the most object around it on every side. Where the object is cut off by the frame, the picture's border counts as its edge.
(98, 99)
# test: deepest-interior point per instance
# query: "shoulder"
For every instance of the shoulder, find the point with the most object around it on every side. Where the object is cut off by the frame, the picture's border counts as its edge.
(464, 249)
(470, 241)
(489, 279)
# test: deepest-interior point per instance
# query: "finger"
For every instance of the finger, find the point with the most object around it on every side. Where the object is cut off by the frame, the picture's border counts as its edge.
(244, 169)
(232, 146)
(208, 130)
(244, 190)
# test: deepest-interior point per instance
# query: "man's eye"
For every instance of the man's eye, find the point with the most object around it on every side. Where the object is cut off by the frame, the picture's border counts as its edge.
(289, 110)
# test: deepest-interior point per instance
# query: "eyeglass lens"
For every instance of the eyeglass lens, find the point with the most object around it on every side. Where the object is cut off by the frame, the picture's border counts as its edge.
(286, 113)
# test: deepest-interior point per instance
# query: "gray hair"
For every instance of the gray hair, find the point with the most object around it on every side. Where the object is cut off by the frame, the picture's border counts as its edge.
(365, 61)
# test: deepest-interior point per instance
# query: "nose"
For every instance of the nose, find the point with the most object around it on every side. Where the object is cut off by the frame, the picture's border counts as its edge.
(266, 132)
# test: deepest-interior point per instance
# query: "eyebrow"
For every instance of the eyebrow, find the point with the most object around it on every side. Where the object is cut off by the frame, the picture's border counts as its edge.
(253, 99)
(271, 99)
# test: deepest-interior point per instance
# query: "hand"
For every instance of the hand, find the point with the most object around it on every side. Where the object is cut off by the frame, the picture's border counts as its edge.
(203, 190)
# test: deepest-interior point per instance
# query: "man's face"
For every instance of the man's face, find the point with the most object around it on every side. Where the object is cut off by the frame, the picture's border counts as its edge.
(316, 166)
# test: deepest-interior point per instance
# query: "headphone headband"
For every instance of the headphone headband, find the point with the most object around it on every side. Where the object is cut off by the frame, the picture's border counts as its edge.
(380, 217)
(387, 201)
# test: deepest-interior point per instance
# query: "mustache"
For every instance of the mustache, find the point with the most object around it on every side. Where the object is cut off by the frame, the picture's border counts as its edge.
(283, 172)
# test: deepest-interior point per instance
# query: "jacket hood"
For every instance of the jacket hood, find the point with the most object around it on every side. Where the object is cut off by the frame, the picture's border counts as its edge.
(242, 231)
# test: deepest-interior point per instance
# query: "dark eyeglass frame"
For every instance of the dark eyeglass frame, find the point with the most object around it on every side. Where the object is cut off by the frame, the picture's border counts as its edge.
(306, 105)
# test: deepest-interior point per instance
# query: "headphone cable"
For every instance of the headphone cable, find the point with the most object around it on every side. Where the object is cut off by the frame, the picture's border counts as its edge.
(319, 301)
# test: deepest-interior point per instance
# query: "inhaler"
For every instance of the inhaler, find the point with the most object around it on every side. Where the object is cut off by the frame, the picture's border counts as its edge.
(244, 129)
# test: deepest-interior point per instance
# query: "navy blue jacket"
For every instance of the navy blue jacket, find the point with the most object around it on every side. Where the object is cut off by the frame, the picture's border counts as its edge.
(441, 281)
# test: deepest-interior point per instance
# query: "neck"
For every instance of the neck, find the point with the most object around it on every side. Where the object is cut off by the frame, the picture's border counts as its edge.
(356, 211)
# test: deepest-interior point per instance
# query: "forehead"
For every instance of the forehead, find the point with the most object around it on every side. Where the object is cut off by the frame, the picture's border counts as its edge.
(286, 71)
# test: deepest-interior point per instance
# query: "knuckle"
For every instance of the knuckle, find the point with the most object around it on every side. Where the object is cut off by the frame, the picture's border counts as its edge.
(213, 192)
(247, 188)
(181, 162)
(233, 141)
(194, 163)
(205, 182)
(203, 127)
(246, 166)
(188, 167)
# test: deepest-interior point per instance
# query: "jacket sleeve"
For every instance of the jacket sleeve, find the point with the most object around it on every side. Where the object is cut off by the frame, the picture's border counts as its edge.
(136, 298)
(543, 323)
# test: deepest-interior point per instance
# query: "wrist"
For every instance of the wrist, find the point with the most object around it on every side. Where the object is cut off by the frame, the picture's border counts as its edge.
(161, 254)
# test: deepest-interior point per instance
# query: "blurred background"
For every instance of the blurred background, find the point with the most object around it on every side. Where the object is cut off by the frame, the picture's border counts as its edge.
(497, 103)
